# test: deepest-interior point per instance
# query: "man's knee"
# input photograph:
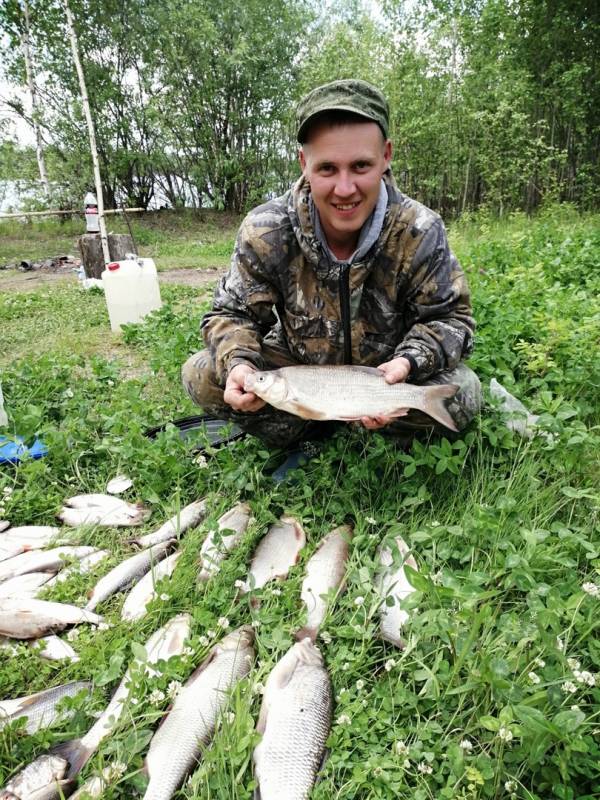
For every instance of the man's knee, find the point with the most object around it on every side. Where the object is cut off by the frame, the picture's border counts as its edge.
(199, 380)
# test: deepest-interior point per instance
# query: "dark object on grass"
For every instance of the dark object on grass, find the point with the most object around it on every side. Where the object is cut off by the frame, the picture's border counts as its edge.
(202, 427)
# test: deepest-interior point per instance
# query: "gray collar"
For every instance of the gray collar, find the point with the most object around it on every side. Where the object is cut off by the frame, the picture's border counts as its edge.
(369, 233)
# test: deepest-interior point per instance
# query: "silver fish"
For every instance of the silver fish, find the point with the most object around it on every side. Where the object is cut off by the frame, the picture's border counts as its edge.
(276, 553)
(85, 564)
(192, 720)
(219, 544)
(325, 572)
(144, 592)
(42, 560)
(295, 719)
(28, 618)
(347, 393)
(166, 642)
(126, 573)
(40, 709)
(26, 585)
(4, 525)
(392, 583)
(119, 484)
(54, 649)
(40, 780)
(189, 516)
(94, 787)
(102, 509)
(29, 537)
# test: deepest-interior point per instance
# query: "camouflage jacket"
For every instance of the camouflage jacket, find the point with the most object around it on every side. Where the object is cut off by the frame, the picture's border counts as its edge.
(407, 297)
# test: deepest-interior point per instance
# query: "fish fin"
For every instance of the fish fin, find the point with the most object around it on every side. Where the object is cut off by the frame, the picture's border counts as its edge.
(319, 775)
(261, 722)
(304, 412)
(434, 403)
(257, 795)
(76, 753)
(306, 632)
(368, 370)
(399, 412)
(397, 641)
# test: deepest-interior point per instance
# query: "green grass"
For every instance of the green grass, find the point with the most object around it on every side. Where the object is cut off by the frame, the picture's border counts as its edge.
(505, 532)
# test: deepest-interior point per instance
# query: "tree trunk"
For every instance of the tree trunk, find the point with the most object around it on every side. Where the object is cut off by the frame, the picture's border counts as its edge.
(92, 256)
(35, 112)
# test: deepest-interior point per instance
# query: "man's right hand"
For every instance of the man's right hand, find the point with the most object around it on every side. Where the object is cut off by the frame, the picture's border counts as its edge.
(234, 394)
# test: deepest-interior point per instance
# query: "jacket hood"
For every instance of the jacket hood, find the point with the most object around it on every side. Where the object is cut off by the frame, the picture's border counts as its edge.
(304, 229)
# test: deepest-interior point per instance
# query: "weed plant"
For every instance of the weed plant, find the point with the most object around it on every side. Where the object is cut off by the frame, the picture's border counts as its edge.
(497, 691)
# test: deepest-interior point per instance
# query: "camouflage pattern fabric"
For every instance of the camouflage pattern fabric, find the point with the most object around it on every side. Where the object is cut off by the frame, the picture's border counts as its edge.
(280, 429)
(408, 294)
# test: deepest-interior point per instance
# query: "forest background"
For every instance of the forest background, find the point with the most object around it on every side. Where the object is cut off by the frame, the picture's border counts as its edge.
(495, 103)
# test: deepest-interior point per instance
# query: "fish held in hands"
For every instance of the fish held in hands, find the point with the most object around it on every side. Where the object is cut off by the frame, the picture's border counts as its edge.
(218, 544)
(28, 618)
(295, 720)
(325, 572)
(192, 720)
(276, 554)
(347, 393)
(392, 582)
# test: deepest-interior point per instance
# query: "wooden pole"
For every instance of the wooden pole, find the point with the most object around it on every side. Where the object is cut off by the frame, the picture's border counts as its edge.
(91, 132)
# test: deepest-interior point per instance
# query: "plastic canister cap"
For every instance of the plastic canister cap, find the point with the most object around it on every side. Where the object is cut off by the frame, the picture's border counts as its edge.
(113, 265)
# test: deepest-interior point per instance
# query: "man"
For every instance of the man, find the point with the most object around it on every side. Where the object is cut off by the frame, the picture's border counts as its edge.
(342, 269)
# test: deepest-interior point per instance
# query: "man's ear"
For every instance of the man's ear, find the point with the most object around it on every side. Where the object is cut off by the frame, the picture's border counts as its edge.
(302, 159)
(387, 152)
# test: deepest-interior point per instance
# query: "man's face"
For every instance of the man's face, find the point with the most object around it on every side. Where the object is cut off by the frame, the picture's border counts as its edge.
(344, 165)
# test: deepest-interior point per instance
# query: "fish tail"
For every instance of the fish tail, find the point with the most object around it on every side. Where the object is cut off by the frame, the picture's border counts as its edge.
(306, 632)
(434, 403)
(76, 753)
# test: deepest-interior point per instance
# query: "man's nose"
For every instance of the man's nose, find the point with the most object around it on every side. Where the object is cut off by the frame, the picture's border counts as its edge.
(345, 186)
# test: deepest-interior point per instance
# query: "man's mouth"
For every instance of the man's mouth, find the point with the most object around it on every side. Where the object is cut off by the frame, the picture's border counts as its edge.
(345, 206)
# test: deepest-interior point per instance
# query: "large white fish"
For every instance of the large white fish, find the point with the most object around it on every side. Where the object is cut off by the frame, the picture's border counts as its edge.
(144, 590)
(43, 779)
(126, 573)
(28, 537)
(189, 516)
(295, 719)
(28, 618)
(84, 565)
(4, 525)
(42, 560)
(276, 553)
(166, 642)
(40, 709)
(190, 725)
(26, 585)
(52, 648)
(325, 572)
(218, 544)
(102, 509)
(393, 583)
(347, 393)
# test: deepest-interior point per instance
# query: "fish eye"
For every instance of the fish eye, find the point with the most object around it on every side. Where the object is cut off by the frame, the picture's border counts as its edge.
(261, 379)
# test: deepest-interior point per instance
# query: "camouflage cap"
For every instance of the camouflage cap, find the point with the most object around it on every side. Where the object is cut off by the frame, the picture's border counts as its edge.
(358, 97)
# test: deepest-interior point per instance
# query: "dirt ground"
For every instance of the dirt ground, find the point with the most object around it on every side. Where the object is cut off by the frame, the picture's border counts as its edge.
(16, 281)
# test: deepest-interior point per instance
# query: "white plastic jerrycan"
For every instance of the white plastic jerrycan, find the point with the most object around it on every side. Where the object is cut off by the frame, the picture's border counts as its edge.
(131, 290)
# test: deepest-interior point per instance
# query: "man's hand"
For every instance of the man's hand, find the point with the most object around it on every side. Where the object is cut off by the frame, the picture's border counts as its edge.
(395, 371)
(234, 394)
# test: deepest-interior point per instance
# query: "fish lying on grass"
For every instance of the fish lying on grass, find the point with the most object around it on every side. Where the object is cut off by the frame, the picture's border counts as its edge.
(295, 719)
(144, 592)
(325, 571)
(40, 709)
(393, 585)
(218, 544)
(28, 618)
(190, 724)
(126, 573)
(4, 525)
(166, 642)
(347, 393)
(119, 484)
(26, 585)
(95, 787)
(52, 648)
(102, 509)
(85, 564)
(43, 779)
(276, 553)
(189, 516)
(28, 537)
(42, 560)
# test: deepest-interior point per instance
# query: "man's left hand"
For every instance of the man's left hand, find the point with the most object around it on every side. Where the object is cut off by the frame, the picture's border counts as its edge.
(395, 371)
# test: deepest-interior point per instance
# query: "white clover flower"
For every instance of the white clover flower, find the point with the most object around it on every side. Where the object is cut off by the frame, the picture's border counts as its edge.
(505, 734)
(584, 676)
(534, 677)
(230, 717)
(326, 637)
(7, 490)
(156, 697)
(201, 461)
(187, 652)
(575, 707)
(574, 663)
(560, 645)
(371, 521)
(510, 786)
(436, 578)
(258, 688)
(211, 634)
(173, 689)
(364, 703)
(223, 622)
(591, 588)
(360, 685)
(343, 690)
(239, 584)
(359, 601)
(406, 763)
(71, 635)
(164, 597)
(400, 747)
(539, 662)
(134, 701)
(466, 745)
(68, 393)
(110, 382)
(255, 623)
(377, 772)
(426, 769)
(203, 641)
(435, 524)
(345, 666)
(116, 770)
(389, 664)
(568, 687)
(343, 719)
(276, 592)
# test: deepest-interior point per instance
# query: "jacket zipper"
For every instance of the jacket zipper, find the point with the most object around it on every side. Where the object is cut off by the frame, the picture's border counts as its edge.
(344, 283)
